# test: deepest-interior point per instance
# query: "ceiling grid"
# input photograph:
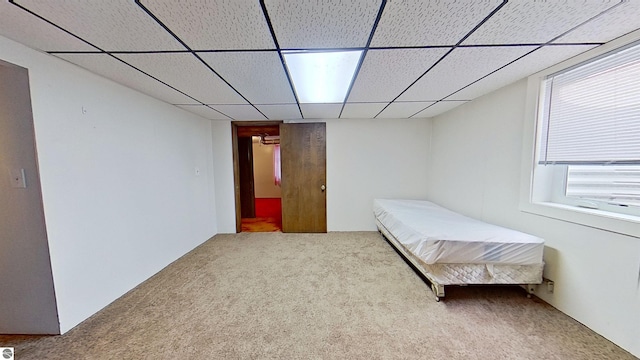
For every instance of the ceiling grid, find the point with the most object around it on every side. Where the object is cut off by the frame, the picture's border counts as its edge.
(222, 59)
(272, 32)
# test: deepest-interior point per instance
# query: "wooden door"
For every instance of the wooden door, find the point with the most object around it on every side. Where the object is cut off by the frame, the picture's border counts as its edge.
(303, 163)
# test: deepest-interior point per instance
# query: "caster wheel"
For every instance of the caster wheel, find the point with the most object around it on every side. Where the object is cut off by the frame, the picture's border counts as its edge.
(437, 299)
(528, 296)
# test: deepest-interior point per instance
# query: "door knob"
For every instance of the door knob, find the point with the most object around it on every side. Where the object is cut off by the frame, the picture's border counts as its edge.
(322, 187)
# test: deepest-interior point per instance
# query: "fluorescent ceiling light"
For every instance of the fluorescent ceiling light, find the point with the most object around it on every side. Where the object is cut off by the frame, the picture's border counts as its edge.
(321, 77)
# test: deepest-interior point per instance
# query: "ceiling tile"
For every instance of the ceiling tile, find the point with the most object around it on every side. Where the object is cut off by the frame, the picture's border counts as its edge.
(616, 22)
(439, 108)
(403, 110)
(530, 64)
(107, 66)
(239, 112)
(280, 111)
(322, 24)
(321, 111)
(460, 68)
(529, 22)
(419, 22)
(204, 111)
(27, 29)
(259, 76)
(362, 110)
(111, 25)
(215, 24)
(386, 73)
(186, 73)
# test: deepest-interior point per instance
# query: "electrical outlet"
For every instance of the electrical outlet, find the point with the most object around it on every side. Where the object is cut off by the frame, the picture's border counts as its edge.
(550, 286)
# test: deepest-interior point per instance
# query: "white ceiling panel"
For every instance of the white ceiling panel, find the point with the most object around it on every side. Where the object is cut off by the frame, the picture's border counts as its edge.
(239, 112)
(186, 73)
(322, 24)
(259, 76)
(460, 68)
(107, 66)
(111, 25)
(362, 110)
(321, 111)
(439, 108)
(402, 110)
(616, 22)
(215, 24)
(204, 111)
(386, 73)
(25, 28)
(236, 63)
(280, 111)
(419, 22)
(530, 64)
(528, 22)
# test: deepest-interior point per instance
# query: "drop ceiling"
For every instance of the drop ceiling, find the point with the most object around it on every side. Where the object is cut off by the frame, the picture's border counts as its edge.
(222, 59)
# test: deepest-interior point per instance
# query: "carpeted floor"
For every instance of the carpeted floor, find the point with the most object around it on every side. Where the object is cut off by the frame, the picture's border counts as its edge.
(314, 296)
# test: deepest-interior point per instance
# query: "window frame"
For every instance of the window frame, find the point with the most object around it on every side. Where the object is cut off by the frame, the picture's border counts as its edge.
(535, 190)
(560, 196)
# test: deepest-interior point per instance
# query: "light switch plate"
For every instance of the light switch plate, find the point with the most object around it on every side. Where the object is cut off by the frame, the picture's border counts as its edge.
(18, 180)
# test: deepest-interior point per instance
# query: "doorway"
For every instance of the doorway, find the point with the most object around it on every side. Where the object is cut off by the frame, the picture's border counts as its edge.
(267, 202)
(303, 187)
(257, 177)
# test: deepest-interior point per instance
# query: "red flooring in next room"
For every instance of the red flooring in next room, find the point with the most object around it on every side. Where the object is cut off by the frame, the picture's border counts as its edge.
(268, 216)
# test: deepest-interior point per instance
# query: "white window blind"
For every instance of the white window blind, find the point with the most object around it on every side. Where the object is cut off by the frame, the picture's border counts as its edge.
(611, 184)
(591, 112)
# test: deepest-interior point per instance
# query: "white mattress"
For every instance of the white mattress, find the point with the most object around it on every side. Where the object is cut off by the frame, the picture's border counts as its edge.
(438, 235)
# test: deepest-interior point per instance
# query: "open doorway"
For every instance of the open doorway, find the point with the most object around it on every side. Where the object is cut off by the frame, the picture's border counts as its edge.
(266, 185)
(257, 176)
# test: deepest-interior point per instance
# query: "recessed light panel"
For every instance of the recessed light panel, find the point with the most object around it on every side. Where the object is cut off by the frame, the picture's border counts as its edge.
(321, 77)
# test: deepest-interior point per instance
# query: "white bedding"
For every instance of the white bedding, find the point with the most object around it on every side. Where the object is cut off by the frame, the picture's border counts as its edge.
(438, 235)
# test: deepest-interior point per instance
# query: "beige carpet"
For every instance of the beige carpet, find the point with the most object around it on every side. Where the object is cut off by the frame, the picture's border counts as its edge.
(314, 296)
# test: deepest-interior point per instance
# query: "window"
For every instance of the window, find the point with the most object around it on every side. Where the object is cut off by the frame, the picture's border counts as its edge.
(588, 141)
(591, 112)
(610, 188)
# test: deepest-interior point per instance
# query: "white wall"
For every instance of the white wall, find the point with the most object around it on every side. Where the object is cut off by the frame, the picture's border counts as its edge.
(27, 298)
(368, 159)
(119, 186)
(475, 167)
(264, 183)
(223, 168)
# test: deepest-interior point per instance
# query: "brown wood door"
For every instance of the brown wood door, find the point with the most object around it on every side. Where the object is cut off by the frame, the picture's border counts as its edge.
(303, 163)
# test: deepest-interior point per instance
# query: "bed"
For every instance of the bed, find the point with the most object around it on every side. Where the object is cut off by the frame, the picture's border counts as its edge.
(451, 249)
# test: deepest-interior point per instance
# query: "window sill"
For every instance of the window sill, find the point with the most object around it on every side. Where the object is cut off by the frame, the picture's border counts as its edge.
(617, 223)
